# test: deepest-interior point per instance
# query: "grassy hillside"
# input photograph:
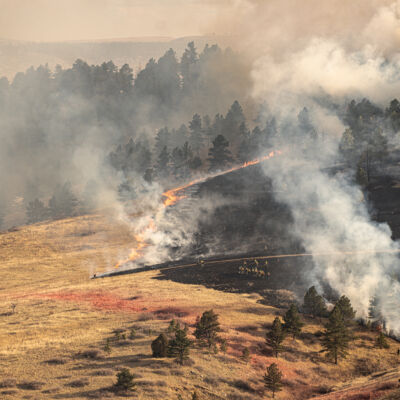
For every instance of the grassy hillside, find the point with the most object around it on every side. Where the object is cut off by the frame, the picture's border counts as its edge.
(52, 343)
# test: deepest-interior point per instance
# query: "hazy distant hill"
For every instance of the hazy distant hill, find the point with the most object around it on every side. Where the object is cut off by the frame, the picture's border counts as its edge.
(17, 56)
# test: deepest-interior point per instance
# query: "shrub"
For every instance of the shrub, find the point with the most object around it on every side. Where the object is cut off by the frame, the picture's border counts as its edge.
(78, 383)
(8, 383)
(159, 346)
(31, 385)
(242, 385)
(246, 354)
(125, 380)
(381, 341)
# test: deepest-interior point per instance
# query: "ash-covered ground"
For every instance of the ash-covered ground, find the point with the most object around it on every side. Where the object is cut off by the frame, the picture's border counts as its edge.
(251, 223)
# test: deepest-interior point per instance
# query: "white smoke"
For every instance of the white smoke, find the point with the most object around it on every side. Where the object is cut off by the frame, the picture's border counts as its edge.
(329, 212)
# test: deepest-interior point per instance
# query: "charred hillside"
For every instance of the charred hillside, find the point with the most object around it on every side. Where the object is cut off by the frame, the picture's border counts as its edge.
(250, 220)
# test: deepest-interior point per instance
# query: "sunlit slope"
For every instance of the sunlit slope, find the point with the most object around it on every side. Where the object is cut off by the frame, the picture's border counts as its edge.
(52, 345)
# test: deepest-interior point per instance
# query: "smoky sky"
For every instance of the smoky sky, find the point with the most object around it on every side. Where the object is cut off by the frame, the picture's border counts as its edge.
(64, 20)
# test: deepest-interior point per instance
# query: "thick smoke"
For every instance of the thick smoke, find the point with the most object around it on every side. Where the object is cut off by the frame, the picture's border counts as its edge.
(313, 54)
(61, 125)
(332, 60)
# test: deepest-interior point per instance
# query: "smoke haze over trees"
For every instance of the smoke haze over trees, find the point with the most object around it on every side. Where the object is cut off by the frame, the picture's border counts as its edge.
(324, 98)
(58, 126)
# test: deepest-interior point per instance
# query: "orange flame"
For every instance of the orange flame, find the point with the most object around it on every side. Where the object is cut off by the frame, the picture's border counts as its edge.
(173, 196)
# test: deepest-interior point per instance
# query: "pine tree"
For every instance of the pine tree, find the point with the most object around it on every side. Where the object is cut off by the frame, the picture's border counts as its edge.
(219, 155)
(36, 211)
(292, 322)
(233, 120)
(374, 312)
(336, 338)
(275, 336)
(162, 167)
(273, 379)
(172, 326)
(196, 133)
(159, 346)
(168, 79)
(125, 380)
(63, 203)
(314, 303)
(346, 310)
(177, 162)
(188, 67)
(207, 328)
(223, 346)
(179, 346)
(381, 341)
(162, 140)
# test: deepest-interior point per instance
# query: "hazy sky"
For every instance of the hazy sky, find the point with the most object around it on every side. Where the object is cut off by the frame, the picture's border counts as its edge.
(55, 20)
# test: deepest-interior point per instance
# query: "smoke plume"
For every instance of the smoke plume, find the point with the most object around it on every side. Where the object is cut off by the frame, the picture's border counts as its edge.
(318, 54)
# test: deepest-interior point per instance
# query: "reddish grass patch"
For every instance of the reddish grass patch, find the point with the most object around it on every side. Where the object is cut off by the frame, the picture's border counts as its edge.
(112, 302)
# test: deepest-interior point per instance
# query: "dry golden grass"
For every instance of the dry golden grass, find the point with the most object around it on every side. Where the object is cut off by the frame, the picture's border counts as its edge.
(61, 316)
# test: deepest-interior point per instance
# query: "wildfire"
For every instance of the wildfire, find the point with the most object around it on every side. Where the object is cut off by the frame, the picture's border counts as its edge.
(141, 243)
(173, 196)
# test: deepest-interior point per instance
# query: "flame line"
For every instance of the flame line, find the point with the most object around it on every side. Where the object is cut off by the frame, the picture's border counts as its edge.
(172, 196)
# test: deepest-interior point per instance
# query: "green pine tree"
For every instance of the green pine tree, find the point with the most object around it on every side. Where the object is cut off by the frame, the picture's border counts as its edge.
(381, 341)
(292, 323)
(348, 314)
(273, 379)
(336, 338)
(223, 346)
(179, 346)
(172, 326)
(314, 303)
(207, 328)
(219, 155)
(275, 336)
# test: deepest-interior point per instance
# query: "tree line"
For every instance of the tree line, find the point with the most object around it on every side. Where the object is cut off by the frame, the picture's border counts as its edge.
(203, 144)
(165, 122)
(54, 123)
(371, 132)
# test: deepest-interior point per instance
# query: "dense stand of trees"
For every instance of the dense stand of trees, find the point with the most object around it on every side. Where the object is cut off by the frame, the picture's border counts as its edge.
(59, 123)
(202, 144)
(371, 132)
(174, 118)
